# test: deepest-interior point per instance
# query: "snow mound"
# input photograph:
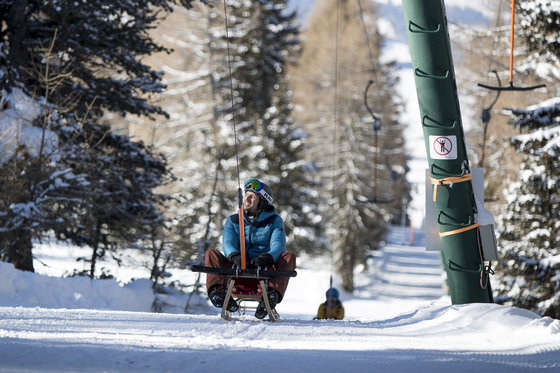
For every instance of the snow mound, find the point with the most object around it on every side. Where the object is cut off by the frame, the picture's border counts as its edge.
(27, 289)
(476, 318)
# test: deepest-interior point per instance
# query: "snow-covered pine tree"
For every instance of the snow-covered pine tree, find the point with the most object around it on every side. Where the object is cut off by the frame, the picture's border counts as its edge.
(343, 138)
(262, 41)
(529, 269)
(540, 24)
(118, 204)
(31, 183)
(209, 190)
(97, 42)
(530, 237)
(278, 144)
(196, 137)
(199, 135)
(76, 62)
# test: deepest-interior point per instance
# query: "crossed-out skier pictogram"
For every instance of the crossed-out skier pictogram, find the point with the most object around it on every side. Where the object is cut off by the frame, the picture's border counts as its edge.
(443, 145)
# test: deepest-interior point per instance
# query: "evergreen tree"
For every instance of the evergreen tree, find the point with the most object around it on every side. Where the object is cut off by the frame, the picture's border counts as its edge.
(74, 62)
(210, 194)
(529, 234)
(85, 184)
(198, 135)
(262, 40)
(30, 187)
(273, 145)
(98, 43)
(118, 204)
(540, 23)
(332, 99)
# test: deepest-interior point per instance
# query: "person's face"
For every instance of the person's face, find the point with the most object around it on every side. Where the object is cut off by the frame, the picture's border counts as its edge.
(251, 202)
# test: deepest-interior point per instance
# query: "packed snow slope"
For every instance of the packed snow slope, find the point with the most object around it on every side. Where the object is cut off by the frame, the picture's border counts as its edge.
(398, 320)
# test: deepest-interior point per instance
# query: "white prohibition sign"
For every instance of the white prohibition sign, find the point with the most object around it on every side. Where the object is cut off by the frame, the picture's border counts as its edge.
(443, 147)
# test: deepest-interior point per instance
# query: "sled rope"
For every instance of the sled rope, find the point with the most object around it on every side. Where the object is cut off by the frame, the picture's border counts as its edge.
(239, 190)
(449, 181)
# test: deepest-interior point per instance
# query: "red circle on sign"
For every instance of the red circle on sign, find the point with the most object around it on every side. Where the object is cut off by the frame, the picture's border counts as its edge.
(443, 145)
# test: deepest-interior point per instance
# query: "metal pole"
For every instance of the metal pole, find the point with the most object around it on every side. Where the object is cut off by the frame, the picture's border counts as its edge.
(450, 172)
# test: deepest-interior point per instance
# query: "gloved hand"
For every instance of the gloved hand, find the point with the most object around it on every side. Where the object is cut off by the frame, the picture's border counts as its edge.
(263, 260)
(235, 258)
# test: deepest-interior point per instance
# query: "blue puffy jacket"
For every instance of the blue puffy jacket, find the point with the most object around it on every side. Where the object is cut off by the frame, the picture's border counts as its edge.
(265, 235)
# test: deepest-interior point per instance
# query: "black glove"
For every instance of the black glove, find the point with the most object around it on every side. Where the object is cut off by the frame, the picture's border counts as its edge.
(263, 260)
(235, 258)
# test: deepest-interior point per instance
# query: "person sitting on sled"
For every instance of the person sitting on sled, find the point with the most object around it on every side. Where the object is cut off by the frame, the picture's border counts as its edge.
(332, 308)
(265, 245)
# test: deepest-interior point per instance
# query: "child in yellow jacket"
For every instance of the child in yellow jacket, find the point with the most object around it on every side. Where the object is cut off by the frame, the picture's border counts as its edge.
(332, 308)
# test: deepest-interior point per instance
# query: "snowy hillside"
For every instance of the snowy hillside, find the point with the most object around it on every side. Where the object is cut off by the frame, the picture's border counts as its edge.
(399, 319)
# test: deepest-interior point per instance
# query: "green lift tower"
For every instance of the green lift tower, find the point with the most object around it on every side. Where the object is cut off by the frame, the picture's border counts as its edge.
(450, 173)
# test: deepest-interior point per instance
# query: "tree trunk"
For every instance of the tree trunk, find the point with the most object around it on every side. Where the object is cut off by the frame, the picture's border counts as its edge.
(19, 250)
(17, 26)
(346, 270)
(95, 245)
(93, 260)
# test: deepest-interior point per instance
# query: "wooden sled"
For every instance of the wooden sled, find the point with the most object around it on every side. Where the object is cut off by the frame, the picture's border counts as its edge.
(247, 287)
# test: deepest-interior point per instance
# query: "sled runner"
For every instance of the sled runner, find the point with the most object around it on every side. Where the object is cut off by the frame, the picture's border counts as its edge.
(247, 287)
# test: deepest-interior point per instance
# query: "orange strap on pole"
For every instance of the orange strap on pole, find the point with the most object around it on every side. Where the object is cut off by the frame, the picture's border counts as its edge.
(460, 230)
(511, 43)
(242, 230)
(449, 181)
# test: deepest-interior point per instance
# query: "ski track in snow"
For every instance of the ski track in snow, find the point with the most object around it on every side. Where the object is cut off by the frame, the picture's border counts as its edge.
(41, 340)
(387, 327)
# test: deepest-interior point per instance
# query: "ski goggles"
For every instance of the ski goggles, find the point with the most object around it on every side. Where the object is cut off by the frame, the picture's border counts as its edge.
(255, 185)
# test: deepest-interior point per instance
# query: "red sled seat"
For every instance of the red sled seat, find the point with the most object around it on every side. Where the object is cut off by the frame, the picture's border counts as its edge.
(246, 286)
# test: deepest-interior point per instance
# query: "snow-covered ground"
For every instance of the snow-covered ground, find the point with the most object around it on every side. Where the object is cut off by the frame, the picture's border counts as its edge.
(399, 319)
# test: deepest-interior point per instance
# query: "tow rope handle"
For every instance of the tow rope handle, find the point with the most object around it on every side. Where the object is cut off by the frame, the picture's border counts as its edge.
(511, 42)
(329, 301)
(511, 87)
(241, 229)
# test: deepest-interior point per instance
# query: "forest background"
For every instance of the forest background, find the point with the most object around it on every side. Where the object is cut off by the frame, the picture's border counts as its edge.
(121, 128)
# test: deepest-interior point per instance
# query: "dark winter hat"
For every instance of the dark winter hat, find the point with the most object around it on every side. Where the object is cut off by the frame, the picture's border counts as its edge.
(263, 190)
(334, 293)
